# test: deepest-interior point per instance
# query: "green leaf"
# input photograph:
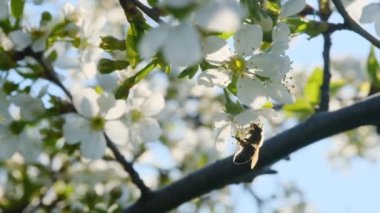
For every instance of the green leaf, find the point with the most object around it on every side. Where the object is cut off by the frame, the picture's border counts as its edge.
(312, 87)
(189, 72)
(122, 91)
(373, 68)
(6, 61)
(310, 27)
(299, 106)
(9, 87)
(17, 8)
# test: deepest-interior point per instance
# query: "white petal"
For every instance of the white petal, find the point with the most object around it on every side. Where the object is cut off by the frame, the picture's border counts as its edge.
(370, 13)
(117, 131)
(75, 128)
(149, 129)
(270, 65)
(216, 50)
(222, 134)
(4, 12)
(39, 45)
(292, 7)
(182, 46)
(279, 93)
(110, 107)
(220, 120)
(281, 33)
(153, 104)
(85, 101)
(251, 115)
(248, 39)
(249, 89)
(214, 77)
(152, 41)
(30, 107)
(30, 146)
(93, 146)
(20, 39)
(8, 143)
(377, 26)
(219, 16)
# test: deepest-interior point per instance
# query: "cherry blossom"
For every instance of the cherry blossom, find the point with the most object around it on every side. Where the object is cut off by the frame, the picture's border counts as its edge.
(98, 114)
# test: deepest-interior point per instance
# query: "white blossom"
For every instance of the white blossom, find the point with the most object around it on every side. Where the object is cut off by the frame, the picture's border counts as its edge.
(98, 114)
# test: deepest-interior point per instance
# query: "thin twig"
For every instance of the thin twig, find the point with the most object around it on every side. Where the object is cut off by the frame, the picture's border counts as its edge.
(325, 87)
(128, 167)
(353, 26)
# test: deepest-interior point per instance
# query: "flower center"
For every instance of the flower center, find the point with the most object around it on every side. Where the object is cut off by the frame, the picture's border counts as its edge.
(97, 123)
(136, 115)
(237, 65)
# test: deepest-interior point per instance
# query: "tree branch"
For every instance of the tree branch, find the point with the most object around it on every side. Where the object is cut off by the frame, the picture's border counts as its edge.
(128, 8)
(225, 172)
(325, 87)
(128, 167)
(353, 26)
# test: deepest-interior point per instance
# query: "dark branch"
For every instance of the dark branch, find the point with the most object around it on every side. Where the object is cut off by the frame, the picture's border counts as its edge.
(325, 87)
(225, 172)
(128, 167)
(353, 26)
(129, 7)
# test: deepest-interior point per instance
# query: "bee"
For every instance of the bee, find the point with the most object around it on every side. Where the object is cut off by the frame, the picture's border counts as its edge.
(250, 142)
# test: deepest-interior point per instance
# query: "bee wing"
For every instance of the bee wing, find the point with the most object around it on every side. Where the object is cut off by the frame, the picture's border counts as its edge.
(255, 158)
(244, 155)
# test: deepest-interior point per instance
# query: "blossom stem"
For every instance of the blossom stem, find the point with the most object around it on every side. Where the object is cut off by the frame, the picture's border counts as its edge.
(353, 26)
(49, 72)
(128, 167)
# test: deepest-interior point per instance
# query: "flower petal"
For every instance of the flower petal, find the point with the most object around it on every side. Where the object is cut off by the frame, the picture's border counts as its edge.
(279, 93)
(93, 145)
(85, 101)
(153, 40)
(292, 7)
(8, 143)
(117, 131)
(30, 107)
(377, 26)
(247, 39)
(270, 65)
(20, 39)
(370, 13)
(216, 50)
(149, 129)
(214, 77)
(219, 16)
(75, 128)
(249, 89)
(182, 46)
(251, 115)
(153, 104)
(110, 107)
